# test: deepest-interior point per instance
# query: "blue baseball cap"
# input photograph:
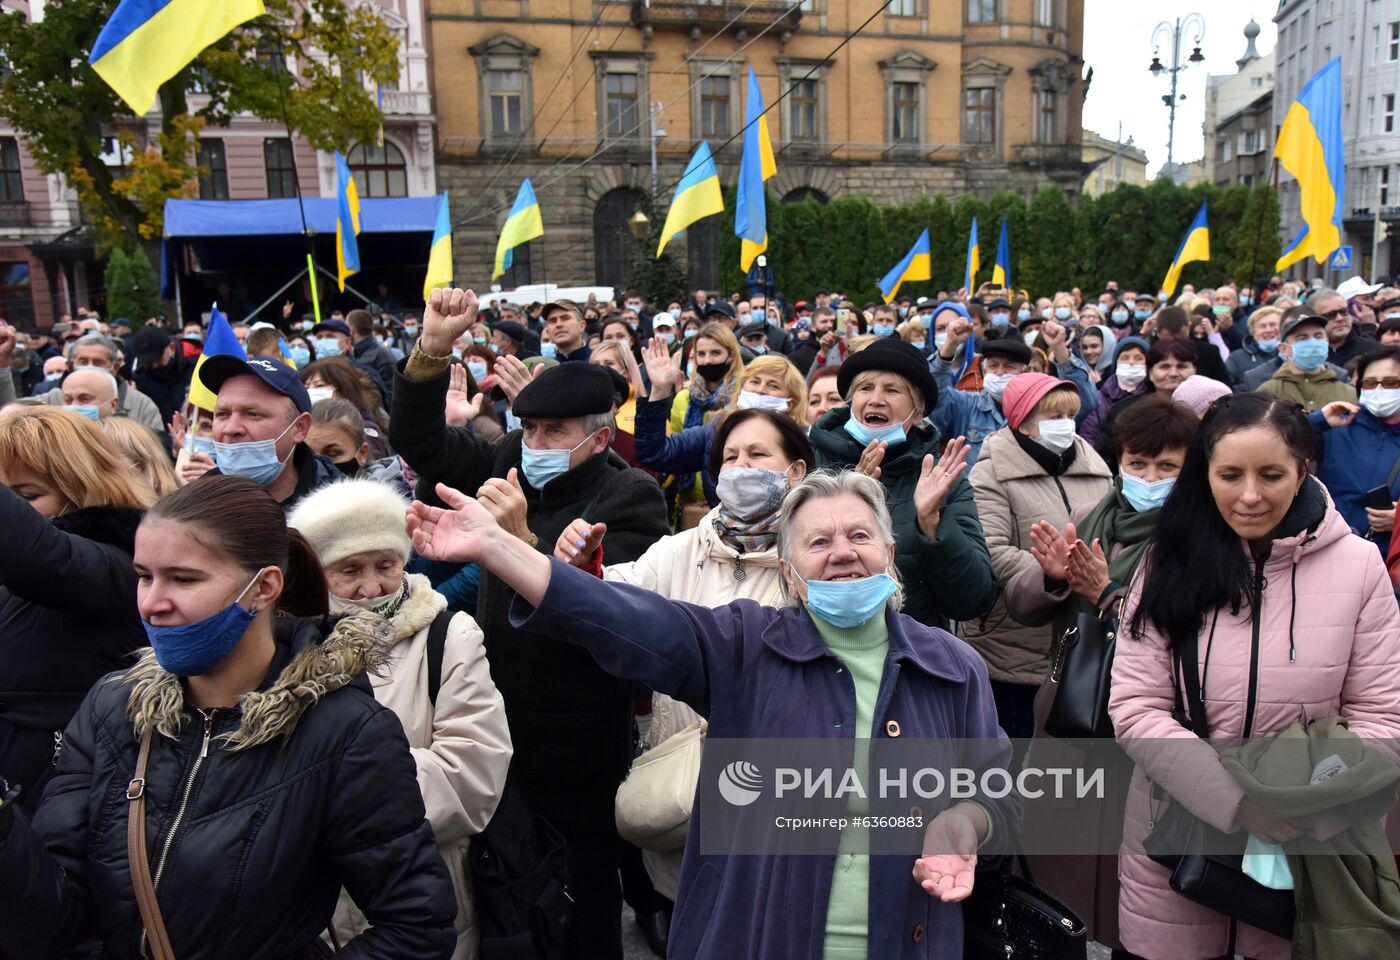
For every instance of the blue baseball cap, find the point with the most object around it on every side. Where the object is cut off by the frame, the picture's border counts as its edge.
(276, 374)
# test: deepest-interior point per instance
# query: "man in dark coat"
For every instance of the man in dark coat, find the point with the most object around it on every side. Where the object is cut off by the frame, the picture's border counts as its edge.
(160, 371)
(569, 720)
(368, 352)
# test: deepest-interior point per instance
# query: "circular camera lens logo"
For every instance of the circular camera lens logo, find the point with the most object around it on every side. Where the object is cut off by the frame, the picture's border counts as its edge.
(740, 783)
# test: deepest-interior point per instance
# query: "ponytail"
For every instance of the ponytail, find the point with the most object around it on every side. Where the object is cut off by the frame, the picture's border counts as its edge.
(304, 590)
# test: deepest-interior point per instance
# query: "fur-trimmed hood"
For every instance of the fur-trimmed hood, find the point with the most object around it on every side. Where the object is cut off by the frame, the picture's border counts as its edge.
(115, 526)
(357, 644)
(419, 610)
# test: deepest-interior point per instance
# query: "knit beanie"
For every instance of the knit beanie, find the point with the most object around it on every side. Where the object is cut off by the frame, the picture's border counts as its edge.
(1197, 392)
(1022, 394)
(353, 516)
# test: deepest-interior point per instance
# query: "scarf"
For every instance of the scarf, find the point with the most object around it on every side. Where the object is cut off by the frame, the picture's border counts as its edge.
(1115, 522)
(703, 398)
(1055, 464)
(746, 536)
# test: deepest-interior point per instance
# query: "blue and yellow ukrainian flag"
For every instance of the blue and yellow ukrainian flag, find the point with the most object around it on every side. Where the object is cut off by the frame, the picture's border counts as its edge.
(916, 265)
(1194, 246)
(697, 196)
(146, 42)
(1001, 273)
(756, 165)
(974, 258)
(347, 222)
(440, 254)
(218, 341)
(1310, 147)
(524, 223)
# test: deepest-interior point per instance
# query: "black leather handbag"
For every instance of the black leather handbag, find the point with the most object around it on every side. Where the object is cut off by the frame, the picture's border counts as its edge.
(1007, 916)
(1081, 666)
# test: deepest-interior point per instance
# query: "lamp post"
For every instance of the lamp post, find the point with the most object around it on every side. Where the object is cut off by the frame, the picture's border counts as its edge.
(658, 131)
(1173, 32)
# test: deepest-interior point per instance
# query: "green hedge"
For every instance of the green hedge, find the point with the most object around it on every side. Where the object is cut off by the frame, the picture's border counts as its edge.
(1129, 235)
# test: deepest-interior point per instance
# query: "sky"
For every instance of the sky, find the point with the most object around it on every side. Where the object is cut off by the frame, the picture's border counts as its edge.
(1118, 45)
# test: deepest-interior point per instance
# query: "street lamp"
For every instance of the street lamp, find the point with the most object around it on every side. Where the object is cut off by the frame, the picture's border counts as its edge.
(1165, 31)
(658, 131)
(638, 224)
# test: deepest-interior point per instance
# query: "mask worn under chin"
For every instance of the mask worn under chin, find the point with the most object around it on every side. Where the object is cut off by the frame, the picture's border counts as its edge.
(751, 493)
(1381, 403)
(995, 384)
(1144, 496)
(542, 466)
(849, 603)
(254, 459)
(385, 606)
(1056, 435)
(893, 434)
(193, 649)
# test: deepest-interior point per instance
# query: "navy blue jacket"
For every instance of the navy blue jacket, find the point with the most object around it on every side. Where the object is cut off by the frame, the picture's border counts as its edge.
(1354, 459)
(680, 453)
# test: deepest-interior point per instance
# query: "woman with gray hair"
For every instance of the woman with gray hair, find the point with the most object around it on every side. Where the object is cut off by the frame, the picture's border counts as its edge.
(839, 662)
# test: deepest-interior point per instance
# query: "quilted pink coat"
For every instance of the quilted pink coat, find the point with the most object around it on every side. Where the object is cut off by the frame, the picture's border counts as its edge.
(1327, 590)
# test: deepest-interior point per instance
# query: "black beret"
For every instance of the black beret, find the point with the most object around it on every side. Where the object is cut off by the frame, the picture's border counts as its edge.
(894, 356)
(510, 329)
(1014, 350)
(568, 390)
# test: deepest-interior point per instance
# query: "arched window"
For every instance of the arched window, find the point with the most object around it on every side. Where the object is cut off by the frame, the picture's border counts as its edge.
(612, 240)
(379, 171)
(805, 193)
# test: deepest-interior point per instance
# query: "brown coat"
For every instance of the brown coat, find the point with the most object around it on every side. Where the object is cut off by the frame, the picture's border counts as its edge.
(1013, 492)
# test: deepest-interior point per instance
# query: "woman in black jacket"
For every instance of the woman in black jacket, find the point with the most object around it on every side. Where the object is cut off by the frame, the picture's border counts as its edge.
(274, 777)
(69, 507)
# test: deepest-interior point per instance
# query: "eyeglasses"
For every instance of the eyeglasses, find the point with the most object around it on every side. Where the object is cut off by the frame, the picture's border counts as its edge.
(1385, 383)
(1334, 313)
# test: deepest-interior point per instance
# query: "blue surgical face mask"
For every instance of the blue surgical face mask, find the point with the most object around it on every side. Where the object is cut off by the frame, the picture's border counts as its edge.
(549, 350)
(668, 336)
(690, 333)
(1246, 300)
(893, 434)
(1268, 346)
(939, 339)
(1144, 496)
(1023, 314)
(542, 466)
(1141, 314)
(1309, 355)
(254, 459)
(193, 649)
(477, 368)
(920, 344)
(194, 443)
(1120, 316)
(410, 330)
(884, 329)
(84, 409)
(849, 603)
(300, 356)
(457, 353)
(479, 340)
(329, 347)
(675, 313)
(1001, 318)
(1062, 313)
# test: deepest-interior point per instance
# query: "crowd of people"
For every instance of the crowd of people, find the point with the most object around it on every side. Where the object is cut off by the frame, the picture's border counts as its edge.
(359, 654)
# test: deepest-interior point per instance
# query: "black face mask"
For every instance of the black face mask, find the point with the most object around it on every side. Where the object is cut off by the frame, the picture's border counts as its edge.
(351, 467)
(712, 372)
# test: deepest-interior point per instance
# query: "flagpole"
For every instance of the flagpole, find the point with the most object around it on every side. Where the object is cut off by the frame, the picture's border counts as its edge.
(296, 179)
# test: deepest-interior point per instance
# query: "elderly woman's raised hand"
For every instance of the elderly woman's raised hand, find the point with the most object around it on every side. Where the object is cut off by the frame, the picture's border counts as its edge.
(871, 458)
(457, 534)
(948, 867)
(935, 480)
(1050, 548)
(579, 543)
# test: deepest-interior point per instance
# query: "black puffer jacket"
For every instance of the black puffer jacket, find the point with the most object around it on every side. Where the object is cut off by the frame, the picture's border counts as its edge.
(67, 617)
(256, 816)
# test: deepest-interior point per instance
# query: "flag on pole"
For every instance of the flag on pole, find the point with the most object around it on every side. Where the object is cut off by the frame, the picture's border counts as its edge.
(756, 165)
(916, 265)
(524, 223)
(347, 222)
(1001, 273)
(146, 42)
(1194, 246)
(440, 254)
(1310, 147)
(219, 341)
(974, 258)
(697, 196)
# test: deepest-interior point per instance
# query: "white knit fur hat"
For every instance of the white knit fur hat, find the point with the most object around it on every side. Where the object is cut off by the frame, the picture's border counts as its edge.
(353, 516)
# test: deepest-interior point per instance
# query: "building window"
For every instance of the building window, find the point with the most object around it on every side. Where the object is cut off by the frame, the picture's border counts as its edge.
(1388, 113)
(982, 11)
(281, 168)
(1045, 11)
(1225, 150)
(614, 248)
(621, 104)
(1249, 143)
(16, 297)
(904, 8)
(702, 253)
(714, 106)
(507, 94)
(213, 169)
(804, 103)
(904, 113)
(1047, 116)
(980, 115)
(379, 171)
(519, 273)
(11, 177)
(1392, 48)
(1256, 82)
(1384, 182)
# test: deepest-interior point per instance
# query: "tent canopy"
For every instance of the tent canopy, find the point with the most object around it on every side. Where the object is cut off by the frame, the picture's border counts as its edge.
(262, 218)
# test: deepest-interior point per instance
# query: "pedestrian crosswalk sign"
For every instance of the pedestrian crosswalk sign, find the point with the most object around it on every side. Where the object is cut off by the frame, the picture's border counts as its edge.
(1341, 259)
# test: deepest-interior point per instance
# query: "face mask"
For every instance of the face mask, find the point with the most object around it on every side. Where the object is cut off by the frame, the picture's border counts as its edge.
(383, 606)
(197, 444)
(542, 466)
(893, 434)
(920, 344)
(713, 372)
(849, 603)
(328, 347)
(494, 348)
(1004, 320)
(751, 493)
(477, 368)
(317, 394)
(1029, 336)
(1221, 310)
(1246, 301)
(84, 409)
(1393, 315)
(1057, 435)
(193, 649)
(1268, 346)
(668, 336)
(457, 353)
(1130, 374)
(254, 459)
(757, 349)
(351, 467)
(1144, 496)
(749, 400)
(883, 329)
(1062, 313)
(549, 350)
(690, 333)
(410, 331)
(479, 340)
(1381, 403)
(1046, 313)
(1309, 355)
(300, 356)
(675, 314)
(1120, 317)
(995, 384)
(1141, 314)
(939, 339)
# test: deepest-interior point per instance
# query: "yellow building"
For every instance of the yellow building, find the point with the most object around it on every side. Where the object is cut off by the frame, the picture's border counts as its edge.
(926, 96)
(1111, 163)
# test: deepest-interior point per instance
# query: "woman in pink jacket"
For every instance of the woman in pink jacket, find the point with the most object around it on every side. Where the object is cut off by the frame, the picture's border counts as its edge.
(1296, 621)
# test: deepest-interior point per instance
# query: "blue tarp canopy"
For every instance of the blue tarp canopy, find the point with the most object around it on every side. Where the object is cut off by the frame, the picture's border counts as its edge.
(262, 218)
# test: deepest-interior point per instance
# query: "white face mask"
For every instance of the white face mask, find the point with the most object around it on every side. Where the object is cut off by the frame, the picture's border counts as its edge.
(1130, 374)
(1030, 336)
(1381, 403)
(1057, 435)
(995, 384)
(749, 400)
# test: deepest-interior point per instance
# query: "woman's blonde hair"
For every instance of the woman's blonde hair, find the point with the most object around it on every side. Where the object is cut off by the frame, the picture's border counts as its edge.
(912, 330)
(623, 356)
(140, 446)
(72, 453)
(1063, 401)
(916, 397)
(1261, 314)
(794, 384)
(723, 336)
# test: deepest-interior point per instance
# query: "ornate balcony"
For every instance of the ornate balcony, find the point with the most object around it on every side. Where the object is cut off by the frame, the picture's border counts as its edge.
(405, 103)
(703, 17)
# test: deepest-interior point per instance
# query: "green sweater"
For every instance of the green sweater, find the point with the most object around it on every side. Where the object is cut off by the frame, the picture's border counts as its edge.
(862, 649)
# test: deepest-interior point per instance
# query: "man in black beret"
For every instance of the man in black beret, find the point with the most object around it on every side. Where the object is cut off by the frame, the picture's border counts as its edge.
(570, 722)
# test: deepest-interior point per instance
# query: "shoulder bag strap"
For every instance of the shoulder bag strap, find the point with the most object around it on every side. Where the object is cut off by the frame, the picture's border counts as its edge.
(436, 650)
(1189, 662)
(136, 858)
(1394, 472)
